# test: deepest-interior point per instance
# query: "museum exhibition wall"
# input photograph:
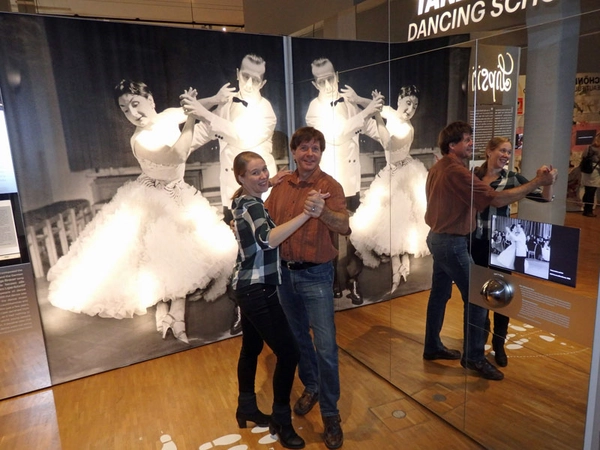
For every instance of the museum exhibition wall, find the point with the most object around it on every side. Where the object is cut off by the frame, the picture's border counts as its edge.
(85, 248)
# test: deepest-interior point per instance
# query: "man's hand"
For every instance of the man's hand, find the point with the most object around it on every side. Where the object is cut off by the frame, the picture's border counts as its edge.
(349, 94)
(225, 93)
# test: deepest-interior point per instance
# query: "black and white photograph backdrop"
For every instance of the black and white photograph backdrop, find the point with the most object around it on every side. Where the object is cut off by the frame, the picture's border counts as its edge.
(123, 194)
(334, 82)
(113, 261)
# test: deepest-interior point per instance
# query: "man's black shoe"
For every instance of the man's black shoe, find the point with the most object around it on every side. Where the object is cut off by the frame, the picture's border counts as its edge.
(486, 369)
(305, 403)
(445, 353)
(333, 435)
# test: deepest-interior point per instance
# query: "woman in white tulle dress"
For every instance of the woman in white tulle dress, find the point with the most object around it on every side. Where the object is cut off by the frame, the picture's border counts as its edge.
(390, 224)
(157, 240)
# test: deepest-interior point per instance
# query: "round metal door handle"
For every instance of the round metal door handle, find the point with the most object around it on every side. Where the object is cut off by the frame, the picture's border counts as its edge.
(497, 292)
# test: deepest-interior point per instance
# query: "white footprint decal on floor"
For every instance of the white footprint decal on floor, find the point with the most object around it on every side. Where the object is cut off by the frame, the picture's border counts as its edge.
(167, 442)
(228, 439)
(513, 346)
(267, 438)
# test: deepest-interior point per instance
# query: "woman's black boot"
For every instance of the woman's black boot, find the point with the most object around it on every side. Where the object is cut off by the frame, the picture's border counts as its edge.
(247, 411)
(287, 435)
(260, 419)
(499, 352)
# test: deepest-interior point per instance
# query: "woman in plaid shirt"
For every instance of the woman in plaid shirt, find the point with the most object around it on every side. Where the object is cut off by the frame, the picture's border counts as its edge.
(498, 153)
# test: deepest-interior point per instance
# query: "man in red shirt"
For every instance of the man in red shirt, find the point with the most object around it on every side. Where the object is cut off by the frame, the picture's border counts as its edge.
(306, 292)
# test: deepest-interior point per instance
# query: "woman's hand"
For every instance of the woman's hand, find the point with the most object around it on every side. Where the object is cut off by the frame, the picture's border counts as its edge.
(279, 176)
(547, 175)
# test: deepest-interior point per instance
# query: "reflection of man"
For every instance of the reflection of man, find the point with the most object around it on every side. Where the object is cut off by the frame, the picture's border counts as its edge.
(341, 121)
(453, 197)
(243, 120)
(336, 114)
(307, 273)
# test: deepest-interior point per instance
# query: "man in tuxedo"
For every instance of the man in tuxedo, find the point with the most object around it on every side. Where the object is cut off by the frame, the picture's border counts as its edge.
(242, 120)
(337, 115)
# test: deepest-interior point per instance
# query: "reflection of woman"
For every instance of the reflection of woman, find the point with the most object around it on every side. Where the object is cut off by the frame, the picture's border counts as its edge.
(497, 154)
(390, 220)
(157, 240)
(546, 250)
(591, 181)
(256, 276)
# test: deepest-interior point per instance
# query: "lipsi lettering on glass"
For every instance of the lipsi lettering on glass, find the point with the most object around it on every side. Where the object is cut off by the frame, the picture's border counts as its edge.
(484, 79)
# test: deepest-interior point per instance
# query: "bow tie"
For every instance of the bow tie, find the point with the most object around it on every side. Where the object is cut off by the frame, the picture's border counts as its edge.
(339, 100)
(239, 100)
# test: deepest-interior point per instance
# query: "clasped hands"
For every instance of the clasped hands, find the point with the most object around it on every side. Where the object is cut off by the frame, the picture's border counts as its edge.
(191, 105)
(371, 106)
(547, 175)
(194, 107)
(315, 203)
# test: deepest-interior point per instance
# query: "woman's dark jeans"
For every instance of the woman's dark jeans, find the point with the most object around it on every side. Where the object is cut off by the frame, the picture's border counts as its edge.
(263, 321)
(588, 199)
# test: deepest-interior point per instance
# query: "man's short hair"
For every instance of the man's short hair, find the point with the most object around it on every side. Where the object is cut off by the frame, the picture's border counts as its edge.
(307, 134)
(320, 62)
(453, 134)
(255, 59)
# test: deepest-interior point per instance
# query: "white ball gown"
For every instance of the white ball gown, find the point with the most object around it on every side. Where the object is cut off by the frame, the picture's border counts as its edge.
(157, 239)
(391, 218)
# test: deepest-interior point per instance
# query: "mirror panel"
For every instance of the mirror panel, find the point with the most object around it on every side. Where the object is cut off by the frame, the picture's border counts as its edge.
(543, 397)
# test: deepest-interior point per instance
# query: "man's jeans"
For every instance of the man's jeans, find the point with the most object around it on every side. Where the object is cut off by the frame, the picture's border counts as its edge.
(307, 299)
(451, 261)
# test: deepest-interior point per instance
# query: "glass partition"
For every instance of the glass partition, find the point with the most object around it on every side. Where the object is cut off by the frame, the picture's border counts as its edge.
(542, 399)
(544, 394)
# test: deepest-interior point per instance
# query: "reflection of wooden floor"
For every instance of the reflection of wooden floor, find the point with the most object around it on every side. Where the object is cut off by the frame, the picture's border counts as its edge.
(541, 403)
(543, 396)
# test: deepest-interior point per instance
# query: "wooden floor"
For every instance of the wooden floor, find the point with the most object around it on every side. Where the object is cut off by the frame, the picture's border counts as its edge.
(187, 400)
(191, 396)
